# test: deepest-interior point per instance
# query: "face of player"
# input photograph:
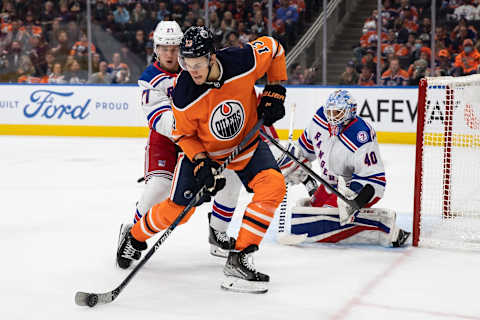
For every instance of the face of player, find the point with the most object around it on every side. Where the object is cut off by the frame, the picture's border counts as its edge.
(198, 68)
(335, 116)
(168, 57)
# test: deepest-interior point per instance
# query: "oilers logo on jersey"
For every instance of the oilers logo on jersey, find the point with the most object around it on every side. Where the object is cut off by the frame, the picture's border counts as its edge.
(227, 119)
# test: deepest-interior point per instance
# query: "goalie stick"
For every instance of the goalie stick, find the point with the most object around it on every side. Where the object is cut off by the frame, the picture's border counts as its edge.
(92, 299)
(283, 206)
(363, 197)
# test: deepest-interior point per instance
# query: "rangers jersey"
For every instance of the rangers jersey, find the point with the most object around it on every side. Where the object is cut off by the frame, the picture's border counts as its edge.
(157, 87)
(215, 117)
(353, 154)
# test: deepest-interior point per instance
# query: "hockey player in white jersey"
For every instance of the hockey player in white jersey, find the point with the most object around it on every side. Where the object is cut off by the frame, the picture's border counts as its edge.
(349, 157)
(156, 84)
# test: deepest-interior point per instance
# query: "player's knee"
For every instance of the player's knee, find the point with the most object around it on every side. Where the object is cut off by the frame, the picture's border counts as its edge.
(268, 186)
(165, 212)
(156, 190)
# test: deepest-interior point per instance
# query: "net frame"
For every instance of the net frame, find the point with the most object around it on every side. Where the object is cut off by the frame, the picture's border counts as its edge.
(459, 219)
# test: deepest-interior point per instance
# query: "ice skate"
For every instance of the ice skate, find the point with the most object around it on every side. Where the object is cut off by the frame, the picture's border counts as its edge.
(401, 239)
(220, 242)
(129, 248)
(241, 275)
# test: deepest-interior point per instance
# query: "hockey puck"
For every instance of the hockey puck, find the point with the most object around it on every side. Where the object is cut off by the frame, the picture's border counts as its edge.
(92, 300)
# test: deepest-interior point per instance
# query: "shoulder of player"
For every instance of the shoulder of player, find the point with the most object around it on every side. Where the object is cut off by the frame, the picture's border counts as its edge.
(186, 92)
(320, 119)
(236, 61)
(358, 133)
(152, 76)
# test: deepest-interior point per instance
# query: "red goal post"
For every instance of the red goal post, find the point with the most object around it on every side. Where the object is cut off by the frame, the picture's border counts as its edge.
(447, 163)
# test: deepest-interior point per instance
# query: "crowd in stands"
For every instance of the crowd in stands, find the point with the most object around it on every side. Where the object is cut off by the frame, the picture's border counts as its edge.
(405, 43)
(46, 41)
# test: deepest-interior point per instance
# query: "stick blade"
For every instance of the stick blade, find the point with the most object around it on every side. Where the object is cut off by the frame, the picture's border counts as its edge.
(364, 196)
(82, 299)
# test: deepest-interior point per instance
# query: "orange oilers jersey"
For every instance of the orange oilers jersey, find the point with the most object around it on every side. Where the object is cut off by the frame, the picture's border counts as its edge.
(215, 117)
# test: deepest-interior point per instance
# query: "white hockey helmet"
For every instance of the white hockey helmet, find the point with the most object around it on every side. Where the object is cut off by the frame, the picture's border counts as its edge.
(167, 33)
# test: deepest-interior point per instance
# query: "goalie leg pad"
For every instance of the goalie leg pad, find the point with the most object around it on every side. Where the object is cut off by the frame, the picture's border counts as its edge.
(372, 226)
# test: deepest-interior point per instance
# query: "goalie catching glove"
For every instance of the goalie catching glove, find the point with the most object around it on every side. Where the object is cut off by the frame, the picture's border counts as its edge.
(292, 172)
(205, 172)
(271, 106)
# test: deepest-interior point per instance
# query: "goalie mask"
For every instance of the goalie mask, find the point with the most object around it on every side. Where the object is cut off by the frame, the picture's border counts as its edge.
(339, 110)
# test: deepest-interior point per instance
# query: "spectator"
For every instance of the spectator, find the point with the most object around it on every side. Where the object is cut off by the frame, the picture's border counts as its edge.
(47, 15)
(121, 77)
(349, 76)
(149, 53)
(102, 76)
(62, 49)
(233, 41)
(289, 15)
(394, 75)
(138, 15)
(137, 45)
(26, 74)
(259, 27)
(366, 77)
(121, 15)
(117, 65)
(37, 55)
(50, 61)
(100, 11)
(420, 71)
(297, 75)
(444, 65)
(464, 11)
(75, 74)
(468, 60)
(80, 50)
(162, 11)
(65, 16)
(56, 76)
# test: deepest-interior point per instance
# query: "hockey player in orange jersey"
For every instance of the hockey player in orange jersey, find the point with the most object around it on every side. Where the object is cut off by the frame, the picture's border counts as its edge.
(215, 106)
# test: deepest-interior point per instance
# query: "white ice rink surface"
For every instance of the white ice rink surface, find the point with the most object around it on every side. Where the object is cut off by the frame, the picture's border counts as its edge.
(62, 201)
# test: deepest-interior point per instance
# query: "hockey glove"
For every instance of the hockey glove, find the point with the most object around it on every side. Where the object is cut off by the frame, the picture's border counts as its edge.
(293, 173)
(271, 106)
(205, 172)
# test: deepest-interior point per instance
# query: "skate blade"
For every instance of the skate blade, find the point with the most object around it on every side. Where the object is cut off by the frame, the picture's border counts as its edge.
(243, 286)
(218, 252)
(291, 239)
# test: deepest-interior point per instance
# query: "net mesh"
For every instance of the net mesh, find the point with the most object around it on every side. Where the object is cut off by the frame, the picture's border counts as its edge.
(450, 193)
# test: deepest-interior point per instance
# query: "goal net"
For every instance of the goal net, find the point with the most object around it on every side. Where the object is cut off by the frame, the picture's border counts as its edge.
(447, 169)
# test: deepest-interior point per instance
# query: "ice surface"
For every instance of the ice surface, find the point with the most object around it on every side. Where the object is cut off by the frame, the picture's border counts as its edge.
(62, 201)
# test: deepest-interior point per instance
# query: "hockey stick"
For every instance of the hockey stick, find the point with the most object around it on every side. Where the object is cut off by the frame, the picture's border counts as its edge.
(92, 299)
(283, 205)
(141, 179)
(363, 197)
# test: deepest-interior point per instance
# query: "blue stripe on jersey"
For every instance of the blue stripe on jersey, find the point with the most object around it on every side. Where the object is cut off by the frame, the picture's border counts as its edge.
(354, 135)
(378, 178)
(150, 115)
(305, 143)
(160, 80)
(319, 123)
